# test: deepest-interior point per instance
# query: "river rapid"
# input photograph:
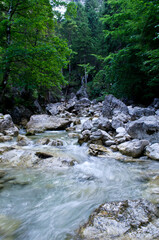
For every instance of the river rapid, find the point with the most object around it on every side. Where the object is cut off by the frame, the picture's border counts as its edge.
(51, 203)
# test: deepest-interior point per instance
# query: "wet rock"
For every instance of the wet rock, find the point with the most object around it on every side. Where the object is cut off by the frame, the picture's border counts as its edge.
(152, 190)
(69, 129)
(56, 142)
(40, 123)
(152, 151)
(50, 142)
(84, 137)
(5, 149)
(134, 148)
(138, 112)
(7, 126)
(2, 173)
(5, 138)
(111, 105)
(96, 150)
(130, 219)
(8, 227)
(74, 135)
(23, 140)
(145, 128)
(43, 155)
(31, 159)
(19, 158)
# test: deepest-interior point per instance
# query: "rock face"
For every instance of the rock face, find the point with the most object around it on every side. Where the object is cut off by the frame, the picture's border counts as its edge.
(145, 128)
(152, 151)
(133, 148)
(112, 105)
(122, 220)
(7, 126)
(40, 123)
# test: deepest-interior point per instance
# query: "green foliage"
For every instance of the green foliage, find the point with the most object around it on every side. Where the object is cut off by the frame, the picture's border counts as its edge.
(131, 64)
(31, 52)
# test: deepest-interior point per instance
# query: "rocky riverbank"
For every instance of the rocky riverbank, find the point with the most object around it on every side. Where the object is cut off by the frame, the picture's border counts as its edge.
(110, 129)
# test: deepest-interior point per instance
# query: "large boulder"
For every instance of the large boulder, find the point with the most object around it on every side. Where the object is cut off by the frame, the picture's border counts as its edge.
(133, 148)
(102, 123)
(111, 105)
(152, 151)
(87, 125)
(138, 112)
(119, 120)
(19, 113)
(129, 219)
(144, 128)
(40, 123)
(7, 126)
(55, 108)
(27, 159)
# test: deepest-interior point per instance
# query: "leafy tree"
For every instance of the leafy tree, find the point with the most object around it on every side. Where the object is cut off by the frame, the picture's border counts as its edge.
(31, 53)
(131, 65)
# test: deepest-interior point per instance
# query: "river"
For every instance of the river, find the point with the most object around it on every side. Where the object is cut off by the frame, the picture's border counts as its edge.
(52, 203)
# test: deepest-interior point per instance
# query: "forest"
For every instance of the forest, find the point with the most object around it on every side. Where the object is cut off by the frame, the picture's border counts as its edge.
(110, 46)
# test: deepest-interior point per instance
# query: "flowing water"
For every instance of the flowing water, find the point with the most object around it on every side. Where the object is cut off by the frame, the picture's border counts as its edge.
(52, 203)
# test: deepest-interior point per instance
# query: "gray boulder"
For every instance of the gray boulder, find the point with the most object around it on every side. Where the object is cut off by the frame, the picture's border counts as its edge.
(152, 151)
(7, 126)
(129, 219)
(112, 104)
(55, 108)
(87, 125)
(102, 123)
(134, 148)
(119, 119)
(145, 128)
(40, 123)
(138, 112)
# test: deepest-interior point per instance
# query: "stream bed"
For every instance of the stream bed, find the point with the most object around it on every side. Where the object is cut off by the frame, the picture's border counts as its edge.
(51, 203)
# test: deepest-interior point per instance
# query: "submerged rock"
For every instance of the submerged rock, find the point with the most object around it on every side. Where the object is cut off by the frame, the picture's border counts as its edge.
(95, 149)
(50, 142)
(8, 227)
(122, 220)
